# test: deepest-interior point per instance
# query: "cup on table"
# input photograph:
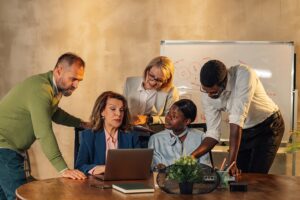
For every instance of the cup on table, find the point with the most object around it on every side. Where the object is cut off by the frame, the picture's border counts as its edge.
(224, 178)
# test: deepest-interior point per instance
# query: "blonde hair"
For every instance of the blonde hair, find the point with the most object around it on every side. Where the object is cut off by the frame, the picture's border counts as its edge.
(167, 67)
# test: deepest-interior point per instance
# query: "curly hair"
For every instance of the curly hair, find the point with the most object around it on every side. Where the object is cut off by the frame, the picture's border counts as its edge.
(188, 108)
(212, 73)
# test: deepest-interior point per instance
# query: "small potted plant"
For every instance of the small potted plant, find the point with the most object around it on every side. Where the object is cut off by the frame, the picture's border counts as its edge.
(186, 172)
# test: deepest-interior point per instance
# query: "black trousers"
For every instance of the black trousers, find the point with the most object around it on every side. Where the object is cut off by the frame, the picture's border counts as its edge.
(259, 145)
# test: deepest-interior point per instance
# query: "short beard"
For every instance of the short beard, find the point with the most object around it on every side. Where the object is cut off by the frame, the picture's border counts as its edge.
(64, 92)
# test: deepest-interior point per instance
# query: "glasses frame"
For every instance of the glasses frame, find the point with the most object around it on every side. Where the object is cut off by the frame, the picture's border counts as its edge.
(153, 78)
(221, 86)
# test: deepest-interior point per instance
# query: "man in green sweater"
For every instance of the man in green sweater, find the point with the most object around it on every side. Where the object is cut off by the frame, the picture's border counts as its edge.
(26, 115)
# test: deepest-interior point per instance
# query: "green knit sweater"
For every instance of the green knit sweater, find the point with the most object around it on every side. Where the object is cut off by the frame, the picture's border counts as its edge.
(26, 115)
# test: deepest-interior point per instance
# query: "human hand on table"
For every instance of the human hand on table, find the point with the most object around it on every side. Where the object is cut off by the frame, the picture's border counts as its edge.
(73, 174)
(99, 169)
(234, 170)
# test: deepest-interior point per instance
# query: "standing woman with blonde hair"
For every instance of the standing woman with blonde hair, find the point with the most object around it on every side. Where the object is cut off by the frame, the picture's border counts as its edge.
(151, 96)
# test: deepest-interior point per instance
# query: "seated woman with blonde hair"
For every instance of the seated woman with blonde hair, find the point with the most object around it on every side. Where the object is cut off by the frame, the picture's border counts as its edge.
(110, 120)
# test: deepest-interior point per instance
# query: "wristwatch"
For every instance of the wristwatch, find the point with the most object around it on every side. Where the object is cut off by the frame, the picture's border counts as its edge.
(149, 120)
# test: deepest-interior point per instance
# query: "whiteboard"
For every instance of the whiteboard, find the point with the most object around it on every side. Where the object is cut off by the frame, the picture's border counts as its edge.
(272, 61)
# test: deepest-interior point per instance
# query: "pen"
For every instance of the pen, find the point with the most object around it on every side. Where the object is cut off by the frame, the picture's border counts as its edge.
(230, 166)
(222, 166)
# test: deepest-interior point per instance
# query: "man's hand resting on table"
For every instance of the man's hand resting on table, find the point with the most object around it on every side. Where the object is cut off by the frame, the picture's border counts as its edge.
(73, 174)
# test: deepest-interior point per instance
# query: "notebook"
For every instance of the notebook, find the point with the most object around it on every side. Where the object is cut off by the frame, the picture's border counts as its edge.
(128, 188)
(127, 164)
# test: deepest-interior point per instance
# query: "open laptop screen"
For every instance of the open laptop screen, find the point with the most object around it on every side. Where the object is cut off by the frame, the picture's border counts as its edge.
(128, 164)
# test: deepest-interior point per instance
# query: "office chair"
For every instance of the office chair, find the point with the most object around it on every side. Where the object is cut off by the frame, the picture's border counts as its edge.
(27, 168)
(203, 127)
(76, 143)
(144, 133)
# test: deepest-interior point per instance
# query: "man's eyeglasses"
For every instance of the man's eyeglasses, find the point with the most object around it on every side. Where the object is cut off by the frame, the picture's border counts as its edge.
(213, 94)
(153, 78)
(215, 91)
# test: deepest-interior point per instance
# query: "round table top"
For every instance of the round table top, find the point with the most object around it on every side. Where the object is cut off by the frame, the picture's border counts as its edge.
(260, 186)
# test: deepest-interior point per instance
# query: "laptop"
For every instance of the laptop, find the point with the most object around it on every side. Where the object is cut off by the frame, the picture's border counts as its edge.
(127, 164)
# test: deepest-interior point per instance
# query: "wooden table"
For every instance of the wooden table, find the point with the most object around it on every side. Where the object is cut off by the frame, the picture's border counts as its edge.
(260, 187)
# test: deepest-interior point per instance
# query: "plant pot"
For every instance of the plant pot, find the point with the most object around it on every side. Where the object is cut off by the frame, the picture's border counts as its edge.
(186, 188)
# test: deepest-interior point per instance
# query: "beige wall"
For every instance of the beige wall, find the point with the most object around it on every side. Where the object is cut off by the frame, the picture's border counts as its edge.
(117, 38)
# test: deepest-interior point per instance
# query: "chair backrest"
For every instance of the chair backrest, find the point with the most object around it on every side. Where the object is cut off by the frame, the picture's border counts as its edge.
(76, 143)
(27, 168)
(144, 133)
(203, 128)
